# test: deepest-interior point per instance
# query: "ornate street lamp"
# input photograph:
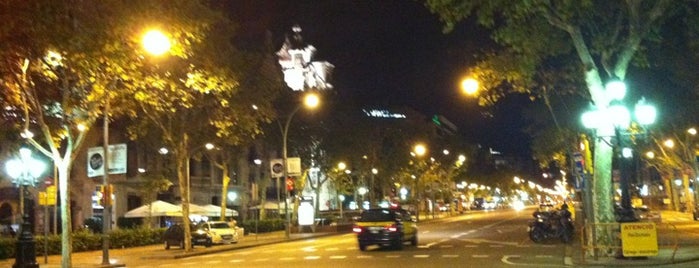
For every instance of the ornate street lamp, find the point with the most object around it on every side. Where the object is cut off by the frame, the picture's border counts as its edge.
(24, 173)
(611, 121)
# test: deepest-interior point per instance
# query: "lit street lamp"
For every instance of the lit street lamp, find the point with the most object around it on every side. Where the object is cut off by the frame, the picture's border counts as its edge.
(25, 172)
(610, 121)
(301, 72)
(311, 101)
(419, 150)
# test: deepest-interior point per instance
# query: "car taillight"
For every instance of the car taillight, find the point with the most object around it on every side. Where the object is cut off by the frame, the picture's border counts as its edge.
(391, 228)
(357, 229)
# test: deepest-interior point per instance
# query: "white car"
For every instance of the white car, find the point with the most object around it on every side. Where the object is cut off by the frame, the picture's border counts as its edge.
(220, 232)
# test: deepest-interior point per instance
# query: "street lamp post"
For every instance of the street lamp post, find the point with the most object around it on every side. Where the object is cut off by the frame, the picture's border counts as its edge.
(609, 122)
(311, 100)
(419, 150)
(24, 173)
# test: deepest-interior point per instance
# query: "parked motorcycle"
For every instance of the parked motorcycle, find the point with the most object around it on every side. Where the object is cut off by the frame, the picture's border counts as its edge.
(552, 224)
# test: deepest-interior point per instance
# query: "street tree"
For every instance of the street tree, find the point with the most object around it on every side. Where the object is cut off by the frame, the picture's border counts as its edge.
(64, 62)
(602, 39)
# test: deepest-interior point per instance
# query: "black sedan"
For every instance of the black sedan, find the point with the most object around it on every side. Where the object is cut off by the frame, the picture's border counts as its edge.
(174, 235)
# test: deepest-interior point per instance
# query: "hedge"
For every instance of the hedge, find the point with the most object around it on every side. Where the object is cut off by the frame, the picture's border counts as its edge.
(87, 241)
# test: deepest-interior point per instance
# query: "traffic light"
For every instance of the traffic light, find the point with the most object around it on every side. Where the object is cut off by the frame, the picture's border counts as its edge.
(289, 184)
(106, 194)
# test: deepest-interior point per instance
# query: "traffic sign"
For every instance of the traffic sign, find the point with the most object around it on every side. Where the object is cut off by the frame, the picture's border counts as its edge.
(276, 168)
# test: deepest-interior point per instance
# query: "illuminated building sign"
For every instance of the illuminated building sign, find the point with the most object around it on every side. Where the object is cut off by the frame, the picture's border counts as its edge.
(382, 114)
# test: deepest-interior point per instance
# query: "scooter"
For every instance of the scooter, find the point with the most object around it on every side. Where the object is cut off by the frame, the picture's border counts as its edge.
(547, 225)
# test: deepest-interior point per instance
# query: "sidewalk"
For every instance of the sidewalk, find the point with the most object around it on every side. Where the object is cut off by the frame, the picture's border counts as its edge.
(678, 244)
(121, 257)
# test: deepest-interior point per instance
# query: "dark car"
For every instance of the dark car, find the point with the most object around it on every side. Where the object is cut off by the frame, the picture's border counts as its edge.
(385, 227)
(174, 236)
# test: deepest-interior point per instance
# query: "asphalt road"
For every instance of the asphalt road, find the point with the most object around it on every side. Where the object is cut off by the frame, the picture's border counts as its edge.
(481, 239)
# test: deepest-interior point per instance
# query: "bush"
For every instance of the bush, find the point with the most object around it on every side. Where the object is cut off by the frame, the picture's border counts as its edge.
(264, 226)
(85, 240)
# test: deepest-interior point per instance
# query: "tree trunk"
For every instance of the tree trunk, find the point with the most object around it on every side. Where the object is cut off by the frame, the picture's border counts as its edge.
(182, 177)
(66, 221)
(602, 192)
(224, 188)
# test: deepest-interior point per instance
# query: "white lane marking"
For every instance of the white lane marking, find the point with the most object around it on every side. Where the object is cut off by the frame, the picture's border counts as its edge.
(393, 256)
(506, 259)
(428, 245)
(337, 257)
(364, 257)
(236, 261)
(332, 249)
(311, 257)
(309, 249)
(480, 256)
(421, 256)
(450, 256)
(496, 246)
(470, 246)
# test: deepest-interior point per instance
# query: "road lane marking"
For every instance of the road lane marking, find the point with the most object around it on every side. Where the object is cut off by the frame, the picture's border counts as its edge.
(337, 257)
(236, 261)
(496, 246)
(480, 256)
(421, 256)
(470, 246)
(332, 249)
(393, 256)
(450, 256)
(364, 257)
(311, 257)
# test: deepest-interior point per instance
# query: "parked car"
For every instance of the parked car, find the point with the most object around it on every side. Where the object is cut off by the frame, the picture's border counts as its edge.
(174, 236)
(385, 227)
(220, 232)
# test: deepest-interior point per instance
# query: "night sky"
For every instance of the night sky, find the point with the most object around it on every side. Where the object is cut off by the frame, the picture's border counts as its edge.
(391, 54)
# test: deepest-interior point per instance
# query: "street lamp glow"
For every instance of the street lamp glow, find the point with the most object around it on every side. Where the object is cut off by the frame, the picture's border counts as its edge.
(645, 113)
(374, 171)
(692, 131)
(669, 143)
(616, 90)
(420, 149)
(155, 42)
(209, 146)
(232, 196)
(469, 86)
(311, 100)
(341, 166)
(650, 155)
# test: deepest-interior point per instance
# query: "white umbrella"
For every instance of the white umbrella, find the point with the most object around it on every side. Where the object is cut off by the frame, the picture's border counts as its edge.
(155, 209)
(214, 210)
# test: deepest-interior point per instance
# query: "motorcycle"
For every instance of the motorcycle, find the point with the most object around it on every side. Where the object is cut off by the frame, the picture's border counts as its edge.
(551, 224)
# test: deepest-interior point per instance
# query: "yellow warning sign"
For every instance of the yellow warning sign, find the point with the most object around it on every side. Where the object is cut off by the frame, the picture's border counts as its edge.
(639, 239)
